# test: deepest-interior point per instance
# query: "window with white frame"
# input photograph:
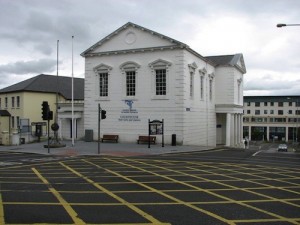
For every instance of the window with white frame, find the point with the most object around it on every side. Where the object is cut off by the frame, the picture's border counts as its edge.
(102, 71)
(160, 82)
(239, 86)
(202, 79)
(201, 87)
(211, 76)
(130, 83)
(192, 68)
(160, 70)
(130, 70)
(191, 84)
(103, 84)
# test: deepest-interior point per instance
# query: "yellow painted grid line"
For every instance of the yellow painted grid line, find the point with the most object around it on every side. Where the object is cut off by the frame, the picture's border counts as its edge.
(124, 202)
(64, 203)
(164, 194)
(215, 194)
(2, 220)
(267, 185)
(252, 192)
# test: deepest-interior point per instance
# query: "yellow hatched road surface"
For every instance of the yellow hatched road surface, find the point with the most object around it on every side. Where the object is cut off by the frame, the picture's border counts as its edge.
(250, 188)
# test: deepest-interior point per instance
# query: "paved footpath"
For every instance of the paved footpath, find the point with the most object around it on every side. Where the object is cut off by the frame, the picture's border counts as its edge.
(91, 148)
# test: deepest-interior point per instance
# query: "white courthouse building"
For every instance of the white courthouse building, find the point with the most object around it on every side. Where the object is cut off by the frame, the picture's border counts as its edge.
(137, 74)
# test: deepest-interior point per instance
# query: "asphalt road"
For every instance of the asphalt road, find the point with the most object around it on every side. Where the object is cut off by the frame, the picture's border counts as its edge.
(208, 187)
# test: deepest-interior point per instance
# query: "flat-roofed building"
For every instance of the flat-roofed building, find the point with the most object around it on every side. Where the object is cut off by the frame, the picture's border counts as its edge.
(272, 117)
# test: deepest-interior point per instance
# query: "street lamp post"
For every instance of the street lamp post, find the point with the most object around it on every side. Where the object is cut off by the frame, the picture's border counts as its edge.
(285, 25)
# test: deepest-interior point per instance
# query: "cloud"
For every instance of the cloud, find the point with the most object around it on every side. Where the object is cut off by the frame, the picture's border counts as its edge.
(29, 67)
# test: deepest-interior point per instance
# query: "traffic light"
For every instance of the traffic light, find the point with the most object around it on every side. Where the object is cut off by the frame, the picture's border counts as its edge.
(50, 115)
(45, 110)
(103, 114)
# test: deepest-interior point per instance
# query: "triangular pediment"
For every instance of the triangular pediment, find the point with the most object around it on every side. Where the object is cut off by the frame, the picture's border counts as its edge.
(131, 38)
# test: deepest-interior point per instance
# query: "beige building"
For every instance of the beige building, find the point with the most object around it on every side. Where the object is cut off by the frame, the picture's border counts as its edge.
(272, 118)
(23, 101)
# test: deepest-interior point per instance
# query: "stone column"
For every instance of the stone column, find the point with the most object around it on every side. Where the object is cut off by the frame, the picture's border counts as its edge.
(228, 129)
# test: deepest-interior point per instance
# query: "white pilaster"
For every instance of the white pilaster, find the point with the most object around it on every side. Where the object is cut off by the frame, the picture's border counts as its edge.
(228, 129)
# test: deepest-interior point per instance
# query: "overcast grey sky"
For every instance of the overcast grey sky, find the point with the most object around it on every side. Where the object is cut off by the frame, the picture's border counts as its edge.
(29, 30)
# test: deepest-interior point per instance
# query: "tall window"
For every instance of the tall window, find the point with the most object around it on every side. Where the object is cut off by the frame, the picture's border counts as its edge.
(160, 82)
(13, 122)
(6, 102)
(160, 72)
(18, 101)
(130, 83)
(102, 71)
(211, 77)
(13, 102)
(103, 84)
(201, 87)
(210, 89)
(191, 84)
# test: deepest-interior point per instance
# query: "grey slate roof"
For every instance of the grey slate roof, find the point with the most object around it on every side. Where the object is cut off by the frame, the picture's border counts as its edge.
(230, 60)
(50, 84)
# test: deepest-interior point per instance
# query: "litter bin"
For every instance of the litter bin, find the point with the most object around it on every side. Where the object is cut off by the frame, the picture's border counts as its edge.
(22, 141)
(15, 138)
(89, 135)
(173, 139)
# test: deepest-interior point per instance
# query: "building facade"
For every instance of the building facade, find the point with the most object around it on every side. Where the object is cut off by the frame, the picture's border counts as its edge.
(137, 75)
(272, 118)
(24, 100)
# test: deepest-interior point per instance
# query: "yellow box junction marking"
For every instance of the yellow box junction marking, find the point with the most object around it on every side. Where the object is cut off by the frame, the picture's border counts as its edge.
(124, 202)
(162, 193)
(63, 202)
(2, 221)
(281, 218)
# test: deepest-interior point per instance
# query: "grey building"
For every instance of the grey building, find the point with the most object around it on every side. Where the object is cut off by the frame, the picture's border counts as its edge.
(271, 118)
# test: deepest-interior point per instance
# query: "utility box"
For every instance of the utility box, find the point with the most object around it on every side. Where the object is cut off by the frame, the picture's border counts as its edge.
(5, 138)
(89, 135)
(15, 138)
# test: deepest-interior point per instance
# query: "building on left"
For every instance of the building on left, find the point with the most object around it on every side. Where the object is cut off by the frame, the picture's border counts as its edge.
(21, 108)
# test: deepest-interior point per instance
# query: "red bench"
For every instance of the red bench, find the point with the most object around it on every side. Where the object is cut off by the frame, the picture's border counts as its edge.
(110, 137)
(146, 139)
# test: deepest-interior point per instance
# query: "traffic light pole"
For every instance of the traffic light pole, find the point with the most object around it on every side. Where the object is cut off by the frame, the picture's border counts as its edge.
(48, 136)
(99, 119)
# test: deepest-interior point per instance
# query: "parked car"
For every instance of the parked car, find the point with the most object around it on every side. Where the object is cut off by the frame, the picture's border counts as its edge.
(282, 148)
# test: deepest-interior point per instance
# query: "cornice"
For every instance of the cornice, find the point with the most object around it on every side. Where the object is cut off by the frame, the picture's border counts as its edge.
(136, 50)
